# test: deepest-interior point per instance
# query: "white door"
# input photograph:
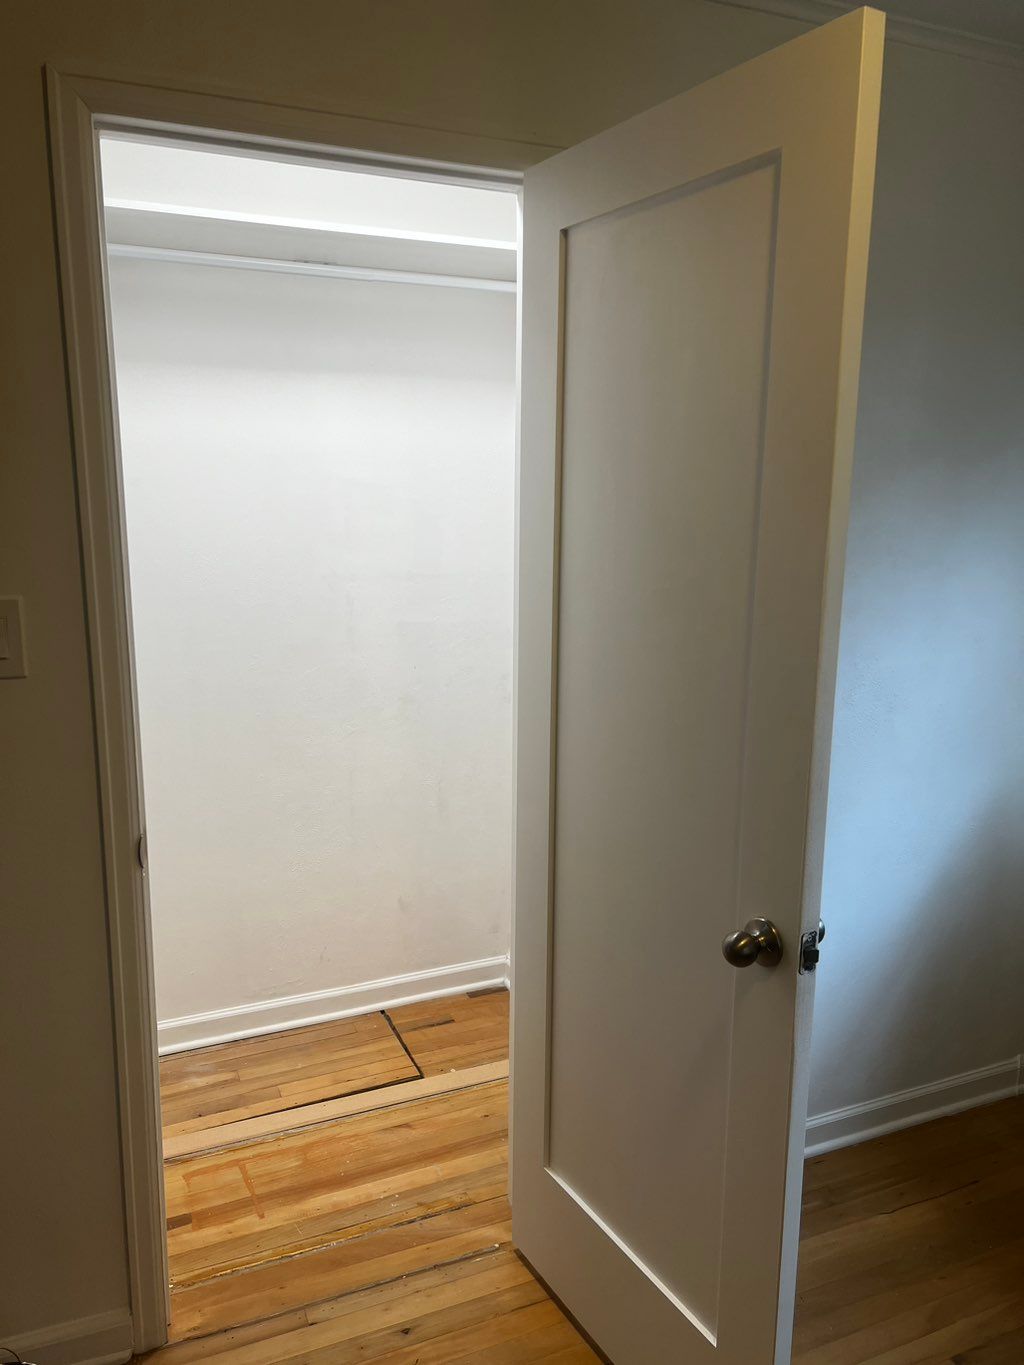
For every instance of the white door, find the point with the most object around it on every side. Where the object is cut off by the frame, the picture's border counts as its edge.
(693, 295)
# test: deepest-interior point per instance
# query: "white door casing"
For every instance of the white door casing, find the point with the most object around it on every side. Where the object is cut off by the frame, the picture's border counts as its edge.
(693, 288)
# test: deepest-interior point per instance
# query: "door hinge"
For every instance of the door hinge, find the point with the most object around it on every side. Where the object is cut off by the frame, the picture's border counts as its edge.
(810, 951)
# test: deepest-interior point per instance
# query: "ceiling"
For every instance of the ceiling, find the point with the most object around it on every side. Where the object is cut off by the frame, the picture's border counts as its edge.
(999, 20)
(991, 21)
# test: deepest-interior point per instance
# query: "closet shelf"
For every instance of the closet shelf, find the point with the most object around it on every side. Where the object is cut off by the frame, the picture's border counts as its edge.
(152, 232)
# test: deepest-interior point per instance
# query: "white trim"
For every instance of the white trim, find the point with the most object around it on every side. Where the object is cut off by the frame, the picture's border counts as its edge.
(326, 270)
(86, 336)
(898, 29)
(102, 1339)
(215, 237)
(317, 1007)
(308, 224)
(79, 106)
(906, 1108)
(494, 164)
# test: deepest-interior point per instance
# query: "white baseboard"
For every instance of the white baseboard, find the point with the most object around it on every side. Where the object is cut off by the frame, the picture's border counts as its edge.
(873, 1118)
(293, 1011)
(103, 1339)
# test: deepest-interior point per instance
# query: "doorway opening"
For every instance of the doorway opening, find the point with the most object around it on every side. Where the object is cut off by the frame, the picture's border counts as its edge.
(627, 208)
(316, 380)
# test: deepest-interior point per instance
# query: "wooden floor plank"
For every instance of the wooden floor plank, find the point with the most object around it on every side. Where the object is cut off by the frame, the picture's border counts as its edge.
(265, 1126)
(342, 1268)
(241, 1080)
(335, 1182)
(454, 1032)
(912, 1246)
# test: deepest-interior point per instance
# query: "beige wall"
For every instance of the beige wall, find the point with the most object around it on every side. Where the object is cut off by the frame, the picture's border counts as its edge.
(532, 71)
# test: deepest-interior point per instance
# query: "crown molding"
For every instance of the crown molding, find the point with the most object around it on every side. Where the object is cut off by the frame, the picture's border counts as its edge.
(914, 32)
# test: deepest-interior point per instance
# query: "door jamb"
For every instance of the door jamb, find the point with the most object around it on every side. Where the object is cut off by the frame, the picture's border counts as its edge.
(79, 108)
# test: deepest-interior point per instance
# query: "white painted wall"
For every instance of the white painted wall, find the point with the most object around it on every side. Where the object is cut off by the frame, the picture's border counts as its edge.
(924, 868)
(319, 480)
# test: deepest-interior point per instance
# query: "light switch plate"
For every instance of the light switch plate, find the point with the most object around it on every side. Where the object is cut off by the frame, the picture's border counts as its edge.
(12, 639)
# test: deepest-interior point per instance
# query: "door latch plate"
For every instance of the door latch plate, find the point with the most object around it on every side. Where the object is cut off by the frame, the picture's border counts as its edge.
(810, 952)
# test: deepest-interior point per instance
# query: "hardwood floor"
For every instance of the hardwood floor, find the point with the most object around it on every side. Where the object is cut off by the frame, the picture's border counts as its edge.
(364, 1227)
(456, 1032)
(484, 1310)
(912, 1246)
(280, 1071)
(376, 1228)
(359, 1179)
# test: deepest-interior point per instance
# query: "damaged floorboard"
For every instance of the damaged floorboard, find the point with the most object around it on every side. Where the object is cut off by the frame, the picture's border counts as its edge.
(358, 1226)
(280, 1072)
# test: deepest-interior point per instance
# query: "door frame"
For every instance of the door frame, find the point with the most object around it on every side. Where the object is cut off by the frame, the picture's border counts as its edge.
(80, 108)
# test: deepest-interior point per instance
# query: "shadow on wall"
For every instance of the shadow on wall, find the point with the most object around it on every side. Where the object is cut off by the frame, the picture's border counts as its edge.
(923, 891)
(924, 873)
(924, 870)
(918, 981)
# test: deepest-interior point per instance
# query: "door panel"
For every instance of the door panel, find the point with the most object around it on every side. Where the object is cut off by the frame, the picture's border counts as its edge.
(693, 292)
(660, 482)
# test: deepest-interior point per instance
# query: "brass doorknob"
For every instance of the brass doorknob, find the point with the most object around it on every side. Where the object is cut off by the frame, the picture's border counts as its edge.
(757, 941)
